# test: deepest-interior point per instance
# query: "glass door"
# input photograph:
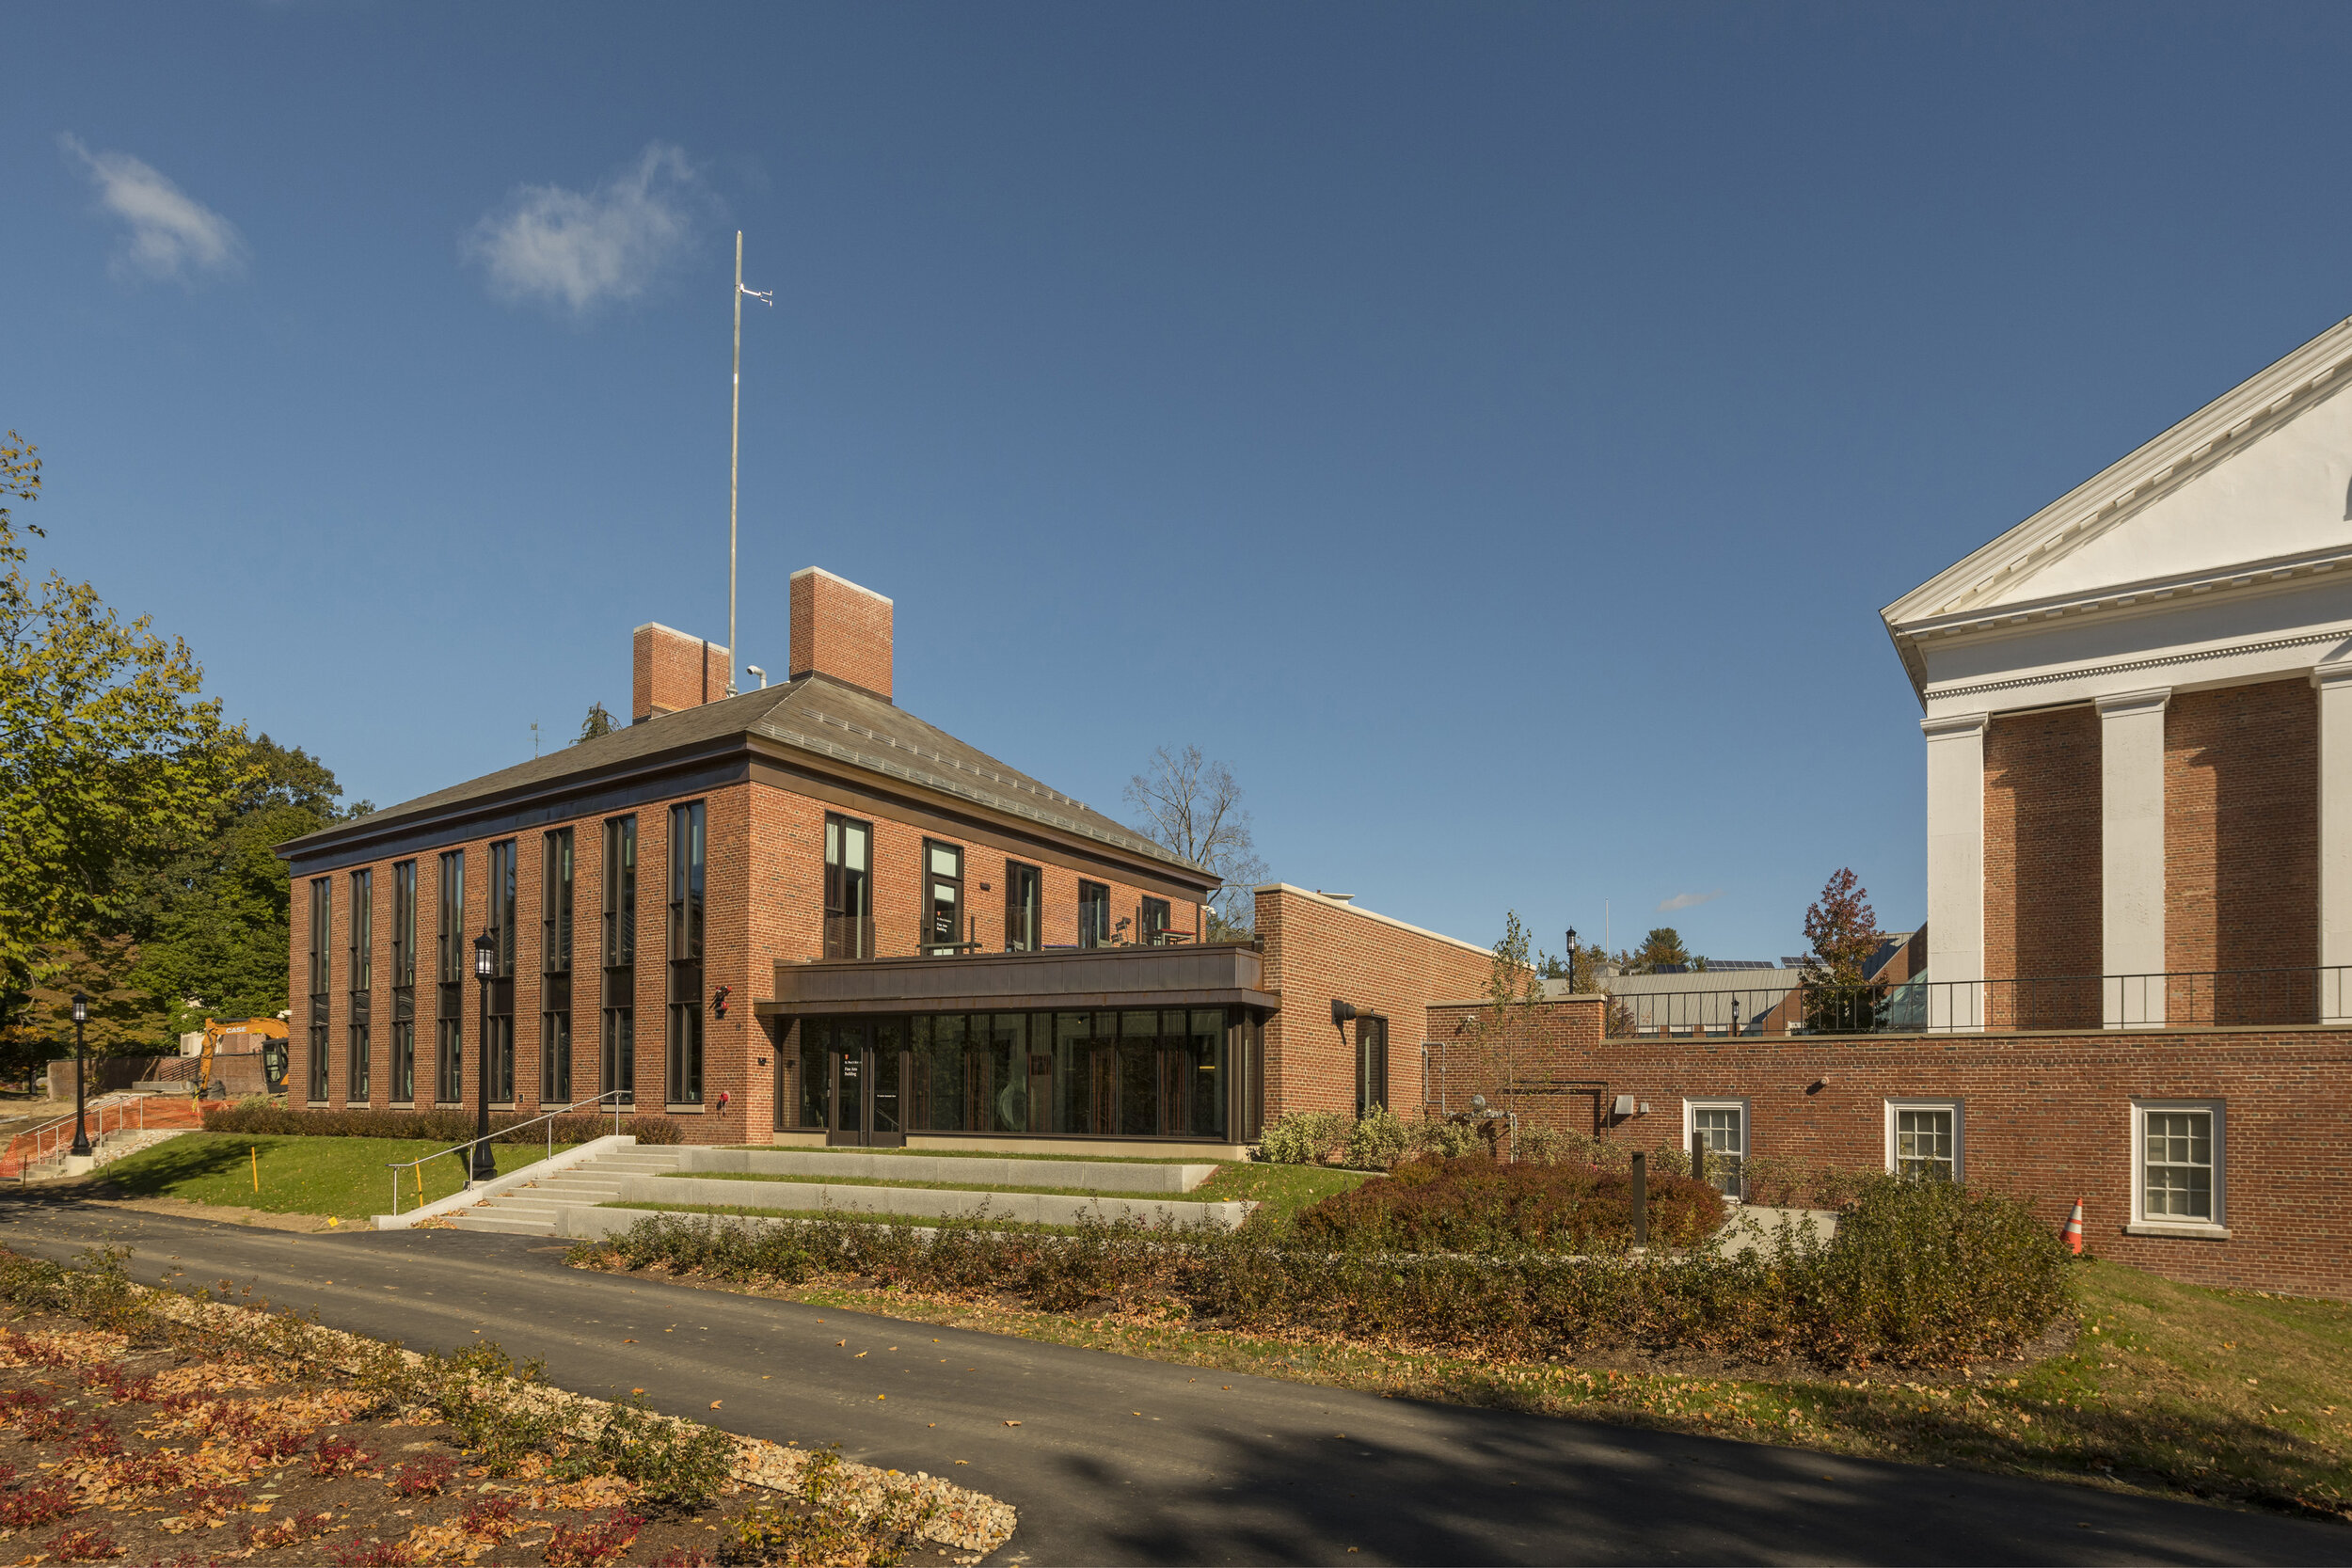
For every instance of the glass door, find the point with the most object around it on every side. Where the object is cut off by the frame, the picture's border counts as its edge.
(864, 1064)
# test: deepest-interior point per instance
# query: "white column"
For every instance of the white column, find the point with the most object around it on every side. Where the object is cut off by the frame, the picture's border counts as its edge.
(1955, 871)
(2131, 857)
(2335, 841)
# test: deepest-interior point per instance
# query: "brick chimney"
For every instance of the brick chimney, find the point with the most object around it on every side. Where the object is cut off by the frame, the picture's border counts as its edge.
(674, 672)
(840, 629)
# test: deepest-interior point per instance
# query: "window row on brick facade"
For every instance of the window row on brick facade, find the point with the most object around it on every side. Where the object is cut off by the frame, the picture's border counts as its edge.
(453, 968)
(2175, 1147)
(946, 925)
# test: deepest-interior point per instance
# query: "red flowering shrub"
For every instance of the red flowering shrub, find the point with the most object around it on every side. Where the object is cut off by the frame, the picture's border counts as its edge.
(1474, 1204)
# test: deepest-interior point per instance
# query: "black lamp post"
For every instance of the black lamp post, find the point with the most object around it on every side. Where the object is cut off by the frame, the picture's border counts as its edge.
(485, 963)
(1572, 958)
(81, 1133)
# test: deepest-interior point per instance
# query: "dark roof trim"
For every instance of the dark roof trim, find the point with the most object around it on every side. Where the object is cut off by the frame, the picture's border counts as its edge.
(656, 779)
(1053, 1001)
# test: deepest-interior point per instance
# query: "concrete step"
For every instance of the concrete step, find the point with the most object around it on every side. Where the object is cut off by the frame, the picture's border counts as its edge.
(477, 1220)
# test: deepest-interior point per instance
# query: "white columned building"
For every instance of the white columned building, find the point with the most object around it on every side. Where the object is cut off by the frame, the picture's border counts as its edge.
(2170, 598)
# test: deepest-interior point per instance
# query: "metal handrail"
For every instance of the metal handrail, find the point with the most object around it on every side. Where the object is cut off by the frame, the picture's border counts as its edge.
(1922, 1005)
(396, 1166)
(99, 1106)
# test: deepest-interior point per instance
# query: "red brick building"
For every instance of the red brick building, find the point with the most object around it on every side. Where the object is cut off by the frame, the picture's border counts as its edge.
(2138, 723)
(803, 913)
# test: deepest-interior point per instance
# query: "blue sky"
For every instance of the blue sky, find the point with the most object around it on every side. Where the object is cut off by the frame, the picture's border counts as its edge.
(1490, 429)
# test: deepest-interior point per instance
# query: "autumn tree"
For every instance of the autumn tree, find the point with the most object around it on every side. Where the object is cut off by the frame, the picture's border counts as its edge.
(1193, 806)
(110, 758)
(1844, 932)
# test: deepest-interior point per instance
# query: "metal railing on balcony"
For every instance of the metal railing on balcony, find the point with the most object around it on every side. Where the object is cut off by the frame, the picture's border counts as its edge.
(2192, 999)
(852, 936)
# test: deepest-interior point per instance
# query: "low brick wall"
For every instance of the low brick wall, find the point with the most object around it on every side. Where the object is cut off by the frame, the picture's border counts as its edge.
(2045, 1116)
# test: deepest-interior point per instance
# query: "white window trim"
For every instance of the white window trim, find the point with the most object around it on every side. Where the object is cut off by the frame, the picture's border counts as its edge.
(2218, 1228)
(1959, 1131)
(1721, 1102)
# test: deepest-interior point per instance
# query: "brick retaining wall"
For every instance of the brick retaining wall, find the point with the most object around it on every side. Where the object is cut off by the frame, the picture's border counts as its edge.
(2045, 1116)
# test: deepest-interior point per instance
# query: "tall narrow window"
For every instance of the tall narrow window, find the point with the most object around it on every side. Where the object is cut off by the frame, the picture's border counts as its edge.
(686, 955)
(1720, 1128)
(943, 898)
(619, 1060)
(1095, 914)
(322, 902)
(849, 888)
(454, 963)
(360, 974)
(555, 960)
(404, 1064)
(1023, 907)
(1152, 917)
(1371, 1064)
(498, 1040)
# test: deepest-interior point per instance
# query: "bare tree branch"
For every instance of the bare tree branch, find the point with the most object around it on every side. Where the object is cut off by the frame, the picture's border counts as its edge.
(1193, 806)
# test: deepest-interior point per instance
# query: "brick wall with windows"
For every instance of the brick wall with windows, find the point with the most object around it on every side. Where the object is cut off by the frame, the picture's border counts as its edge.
(1319, 949)
(2042, 837)
(2047, 1116)
(763, 889)
(2241, 834)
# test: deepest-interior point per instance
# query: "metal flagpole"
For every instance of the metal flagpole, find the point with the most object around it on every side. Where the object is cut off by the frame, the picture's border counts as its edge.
(735, 444)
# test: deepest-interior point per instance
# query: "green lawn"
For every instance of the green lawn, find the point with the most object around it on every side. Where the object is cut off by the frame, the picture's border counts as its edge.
(341, 1177)
(1280, 1191)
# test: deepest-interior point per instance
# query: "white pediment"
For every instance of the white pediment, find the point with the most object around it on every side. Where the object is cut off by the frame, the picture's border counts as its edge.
(2285, 494)
(2262, 474)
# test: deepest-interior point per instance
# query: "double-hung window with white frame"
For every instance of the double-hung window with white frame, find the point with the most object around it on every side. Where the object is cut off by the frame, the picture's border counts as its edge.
(2179, 1168)
(1721, 1126)
(1925, 1139)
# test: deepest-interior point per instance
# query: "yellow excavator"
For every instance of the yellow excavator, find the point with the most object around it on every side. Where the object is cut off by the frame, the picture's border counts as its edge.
(273, 1056)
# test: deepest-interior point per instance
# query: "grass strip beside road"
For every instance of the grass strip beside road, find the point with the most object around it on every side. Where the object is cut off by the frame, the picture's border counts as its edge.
(344, 1178)
(2178, 1390)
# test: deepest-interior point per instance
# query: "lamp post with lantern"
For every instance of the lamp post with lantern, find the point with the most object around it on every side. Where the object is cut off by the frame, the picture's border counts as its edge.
(485, 963)
(81, 1132)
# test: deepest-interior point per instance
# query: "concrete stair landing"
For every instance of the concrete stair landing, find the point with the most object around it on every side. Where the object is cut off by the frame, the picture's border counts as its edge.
(532, 1211)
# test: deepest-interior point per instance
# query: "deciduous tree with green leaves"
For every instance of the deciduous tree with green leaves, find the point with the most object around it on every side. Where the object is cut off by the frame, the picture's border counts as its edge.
(110, 757)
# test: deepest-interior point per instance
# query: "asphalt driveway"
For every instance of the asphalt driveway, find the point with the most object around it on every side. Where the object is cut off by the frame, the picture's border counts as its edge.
(1119, 1460)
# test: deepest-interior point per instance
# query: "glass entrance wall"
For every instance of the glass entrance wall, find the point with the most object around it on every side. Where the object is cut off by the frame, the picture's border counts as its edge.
(1134, 1073)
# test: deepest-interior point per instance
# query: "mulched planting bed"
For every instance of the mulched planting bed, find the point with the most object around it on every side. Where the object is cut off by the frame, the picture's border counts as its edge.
(191, 1432)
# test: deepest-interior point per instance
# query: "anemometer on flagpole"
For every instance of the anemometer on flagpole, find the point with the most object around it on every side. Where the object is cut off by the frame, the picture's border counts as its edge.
(735, 441)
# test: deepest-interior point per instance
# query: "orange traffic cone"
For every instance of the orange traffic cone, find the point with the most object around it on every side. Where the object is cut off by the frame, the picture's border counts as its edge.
(2074, 1231)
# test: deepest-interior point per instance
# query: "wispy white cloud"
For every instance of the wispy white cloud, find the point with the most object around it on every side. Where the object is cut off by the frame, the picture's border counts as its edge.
(581, 249)
(172, 235)
(1689, 901)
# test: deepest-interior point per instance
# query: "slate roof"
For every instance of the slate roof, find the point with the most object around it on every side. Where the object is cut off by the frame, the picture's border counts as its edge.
(814, 714)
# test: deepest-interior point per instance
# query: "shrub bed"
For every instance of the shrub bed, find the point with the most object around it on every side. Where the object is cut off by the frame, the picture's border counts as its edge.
(1918, 1277)
(453, 1127)
(1475, 1204)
